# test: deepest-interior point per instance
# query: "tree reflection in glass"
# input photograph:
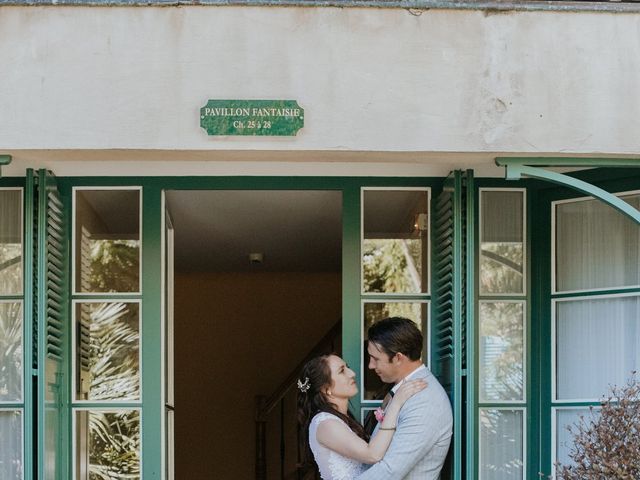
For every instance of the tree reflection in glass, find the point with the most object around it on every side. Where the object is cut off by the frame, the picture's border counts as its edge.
(374, 388)
(11, 354)
(501, 351)
(107, 241)
(395, 243)
(113, 336)
(113, 443)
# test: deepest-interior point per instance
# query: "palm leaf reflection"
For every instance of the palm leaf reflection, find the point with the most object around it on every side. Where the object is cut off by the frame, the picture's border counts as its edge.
(114, 365)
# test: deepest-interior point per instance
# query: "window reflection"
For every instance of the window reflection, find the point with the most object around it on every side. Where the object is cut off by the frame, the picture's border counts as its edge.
(501, 351)
(374, 388)
(502, 242)
(107, 445)
(501, 444)
(11, 354)
(107, 241)
(395, 244)
(11, 444)
(107, 348)
(10, 242)
(596, 246)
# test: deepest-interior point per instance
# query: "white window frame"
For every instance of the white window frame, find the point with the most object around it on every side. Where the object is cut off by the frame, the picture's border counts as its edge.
(428, 240)
(554, 284)
(74, 355)
(426, 333)
(524, 437)
(524, 240)
(486, 402)
(554, 356)
(74, 291)
(102, 410)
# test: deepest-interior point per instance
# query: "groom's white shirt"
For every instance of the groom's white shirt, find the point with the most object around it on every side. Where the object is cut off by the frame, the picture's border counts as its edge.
(408, 377)
(421, 441)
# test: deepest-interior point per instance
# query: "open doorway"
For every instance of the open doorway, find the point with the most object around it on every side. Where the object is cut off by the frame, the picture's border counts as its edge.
(257, 284)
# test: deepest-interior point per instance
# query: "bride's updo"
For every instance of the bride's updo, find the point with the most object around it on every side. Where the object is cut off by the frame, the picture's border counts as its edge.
(314, 379)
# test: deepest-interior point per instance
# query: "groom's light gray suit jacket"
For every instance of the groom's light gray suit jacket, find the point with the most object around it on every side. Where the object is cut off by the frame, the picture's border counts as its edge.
(421, 441)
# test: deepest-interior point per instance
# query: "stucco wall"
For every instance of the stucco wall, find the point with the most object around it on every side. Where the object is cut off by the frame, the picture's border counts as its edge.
(386, 80)
(238, 336)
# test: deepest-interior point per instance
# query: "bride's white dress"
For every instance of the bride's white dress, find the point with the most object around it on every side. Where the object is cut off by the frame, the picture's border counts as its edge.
(333, 466)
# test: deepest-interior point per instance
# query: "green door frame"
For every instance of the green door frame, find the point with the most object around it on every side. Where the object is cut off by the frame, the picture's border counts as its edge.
(153, 187)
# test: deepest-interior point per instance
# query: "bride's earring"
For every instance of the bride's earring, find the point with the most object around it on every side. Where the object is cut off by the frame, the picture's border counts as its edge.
(329, 392)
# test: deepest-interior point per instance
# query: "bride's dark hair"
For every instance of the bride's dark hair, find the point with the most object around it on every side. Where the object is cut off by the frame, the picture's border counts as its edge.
(317, 375)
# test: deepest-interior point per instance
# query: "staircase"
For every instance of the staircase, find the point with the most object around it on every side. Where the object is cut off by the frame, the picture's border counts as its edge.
(265, 406)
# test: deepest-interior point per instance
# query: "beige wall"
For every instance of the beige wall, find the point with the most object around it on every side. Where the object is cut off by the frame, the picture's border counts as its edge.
(370, 79)
(237, 336)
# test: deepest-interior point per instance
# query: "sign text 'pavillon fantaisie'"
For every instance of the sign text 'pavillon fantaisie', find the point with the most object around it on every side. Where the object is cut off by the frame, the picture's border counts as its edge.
(252, 117)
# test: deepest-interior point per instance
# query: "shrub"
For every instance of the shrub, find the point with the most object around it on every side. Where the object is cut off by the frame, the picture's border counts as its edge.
(607, 445)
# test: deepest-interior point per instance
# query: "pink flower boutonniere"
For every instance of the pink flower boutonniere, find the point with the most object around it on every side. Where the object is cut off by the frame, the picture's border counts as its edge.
(379, 414)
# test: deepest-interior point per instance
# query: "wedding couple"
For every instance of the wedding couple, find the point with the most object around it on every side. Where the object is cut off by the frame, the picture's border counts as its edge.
(414, 428)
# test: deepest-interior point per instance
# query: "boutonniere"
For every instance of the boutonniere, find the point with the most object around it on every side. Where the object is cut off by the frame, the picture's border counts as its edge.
(379, 414)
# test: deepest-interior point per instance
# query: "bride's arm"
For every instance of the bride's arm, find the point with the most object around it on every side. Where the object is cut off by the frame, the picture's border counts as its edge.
(341, 439)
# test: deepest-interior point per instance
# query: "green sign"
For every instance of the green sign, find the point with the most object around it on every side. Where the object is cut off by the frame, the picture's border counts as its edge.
(252, 117)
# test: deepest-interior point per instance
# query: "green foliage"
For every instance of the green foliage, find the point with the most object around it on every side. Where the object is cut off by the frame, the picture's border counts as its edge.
(114, 266)
(114, 360)
(392, 265)
(115, 445)
(114, 452)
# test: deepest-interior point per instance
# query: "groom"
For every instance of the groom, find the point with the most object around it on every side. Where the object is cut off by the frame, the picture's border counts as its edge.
(421, 441)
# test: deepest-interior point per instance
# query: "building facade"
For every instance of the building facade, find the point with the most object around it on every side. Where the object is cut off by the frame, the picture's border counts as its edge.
(484, 163)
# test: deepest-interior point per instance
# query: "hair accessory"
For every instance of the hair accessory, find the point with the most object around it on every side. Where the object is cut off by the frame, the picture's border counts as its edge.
(304, 386)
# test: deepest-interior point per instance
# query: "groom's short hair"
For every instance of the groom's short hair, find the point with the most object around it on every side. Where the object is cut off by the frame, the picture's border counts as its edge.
(397, 335)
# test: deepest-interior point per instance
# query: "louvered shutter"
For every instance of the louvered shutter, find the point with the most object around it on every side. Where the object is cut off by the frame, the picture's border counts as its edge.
(453, 308)
(50, 320)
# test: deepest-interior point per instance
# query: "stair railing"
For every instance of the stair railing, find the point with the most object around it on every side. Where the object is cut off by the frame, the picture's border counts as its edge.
(265, 405)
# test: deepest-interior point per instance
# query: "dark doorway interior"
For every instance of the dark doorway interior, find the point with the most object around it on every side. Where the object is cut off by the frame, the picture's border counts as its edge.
(241, 326)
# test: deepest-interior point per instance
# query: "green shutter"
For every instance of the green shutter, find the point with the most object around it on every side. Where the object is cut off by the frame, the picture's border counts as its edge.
(50, 320)
(453, 305)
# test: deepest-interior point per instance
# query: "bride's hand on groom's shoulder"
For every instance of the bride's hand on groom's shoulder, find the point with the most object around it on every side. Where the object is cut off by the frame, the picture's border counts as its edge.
(407, 390)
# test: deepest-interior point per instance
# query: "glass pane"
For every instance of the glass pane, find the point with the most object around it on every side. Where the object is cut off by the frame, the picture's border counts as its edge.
(501, 351)
(108, 445)
(374, 388)
(10, 242)
(170, 446)
(107, 351)
(564, 440)
(501, 444)
(502, 242)
(596, 246)
(395, 246)
(597, 345)
(11, 445)
(107, 241)
(11, 351)
(52, 447)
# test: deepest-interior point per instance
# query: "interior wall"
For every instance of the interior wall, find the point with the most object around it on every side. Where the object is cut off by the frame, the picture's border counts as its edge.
(238, 336)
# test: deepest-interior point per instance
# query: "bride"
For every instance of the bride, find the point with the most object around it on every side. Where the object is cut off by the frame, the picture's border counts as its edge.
(339, 444)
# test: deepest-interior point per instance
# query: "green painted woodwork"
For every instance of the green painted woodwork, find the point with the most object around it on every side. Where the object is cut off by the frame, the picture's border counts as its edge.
(28, 275)
(568, 162)
(468, 422)
(453, 263)
(4, 160)
(152, 394)
(252, 117)
(51, 317)
(517, 168)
